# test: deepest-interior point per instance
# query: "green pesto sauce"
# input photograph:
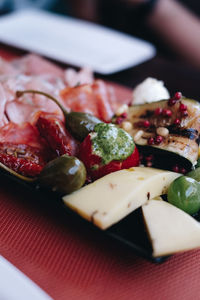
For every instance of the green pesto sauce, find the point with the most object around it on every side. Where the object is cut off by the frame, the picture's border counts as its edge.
(111, 143)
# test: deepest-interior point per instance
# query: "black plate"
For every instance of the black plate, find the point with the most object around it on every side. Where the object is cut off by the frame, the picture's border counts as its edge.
(129, 232)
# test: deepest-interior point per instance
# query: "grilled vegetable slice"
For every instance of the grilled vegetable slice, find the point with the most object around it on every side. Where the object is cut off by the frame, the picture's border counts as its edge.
(168, 129)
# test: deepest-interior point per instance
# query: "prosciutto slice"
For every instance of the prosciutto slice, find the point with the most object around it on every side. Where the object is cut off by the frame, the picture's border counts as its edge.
(91, 98)
(77, 91)
(73, 77)
(21, 134)
(3, 118)
(32, 64)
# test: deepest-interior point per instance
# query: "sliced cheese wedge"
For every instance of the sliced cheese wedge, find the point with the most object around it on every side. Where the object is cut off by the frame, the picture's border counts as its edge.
(112, 197)
(170, 229)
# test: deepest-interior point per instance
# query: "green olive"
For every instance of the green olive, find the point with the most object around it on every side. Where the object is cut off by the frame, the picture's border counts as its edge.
(64, 175)
(195, 174)
(80, 124)
(184, 192)
(198, 163)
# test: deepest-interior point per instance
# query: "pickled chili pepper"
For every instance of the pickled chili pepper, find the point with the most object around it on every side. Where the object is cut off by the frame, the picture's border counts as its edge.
(108, 149)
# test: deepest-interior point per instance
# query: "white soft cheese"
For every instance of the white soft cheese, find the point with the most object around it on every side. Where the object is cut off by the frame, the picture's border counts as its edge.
(171, 230)
(112, 197)
(150, 90)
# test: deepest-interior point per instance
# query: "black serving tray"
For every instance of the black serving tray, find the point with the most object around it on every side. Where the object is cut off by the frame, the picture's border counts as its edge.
(129, 232)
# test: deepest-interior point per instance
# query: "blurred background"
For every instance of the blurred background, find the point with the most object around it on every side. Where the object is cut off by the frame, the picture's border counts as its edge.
(173, 26)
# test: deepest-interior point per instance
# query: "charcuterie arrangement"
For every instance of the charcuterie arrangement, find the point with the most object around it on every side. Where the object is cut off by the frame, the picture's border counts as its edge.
(68, 133)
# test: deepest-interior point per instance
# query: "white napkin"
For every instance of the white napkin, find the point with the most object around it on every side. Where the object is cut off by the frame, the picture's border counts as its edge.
(73, 41)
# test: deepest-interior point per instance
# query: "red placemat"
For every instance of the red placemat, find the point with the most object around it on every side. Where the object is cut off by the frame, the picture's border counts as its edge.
(70, 261)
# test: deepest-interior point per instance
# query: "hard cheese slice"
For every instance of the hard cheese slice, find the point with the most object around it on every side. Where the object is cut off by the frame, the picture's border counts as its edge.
(112, 197)
(171, 229)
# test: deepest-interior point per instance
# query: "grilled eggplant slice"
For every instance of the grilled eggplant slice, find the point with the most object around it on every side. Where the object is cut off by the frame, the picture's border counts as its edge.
(167, 133)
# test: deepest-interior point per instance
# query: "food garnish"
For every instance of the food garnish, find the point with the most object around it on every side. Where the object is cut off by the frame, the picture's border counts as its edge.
(79, 124)
(57, 137)
(64, 175)
(195, 174)
(167, 130)
(149, 90)
(170, 229)
(184, 192)
(82, 135)
(112, 197)
(108, 149)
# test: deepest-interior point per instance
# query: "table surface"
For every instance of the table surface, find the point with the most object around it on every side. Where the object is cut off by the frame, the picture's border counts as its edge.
(70, 261)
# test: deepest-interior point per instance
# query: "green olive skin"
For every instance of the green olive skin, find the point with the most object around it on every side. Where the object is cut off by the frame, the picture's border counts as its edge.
(63, 175)
(184, 192)
(198, 163)
(195, 174)
(80, 124)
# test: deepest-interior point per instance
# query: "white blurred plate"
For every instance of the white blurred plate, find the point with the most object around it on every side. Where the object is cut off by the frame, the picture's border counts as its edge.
(14, 285)
(73, 41)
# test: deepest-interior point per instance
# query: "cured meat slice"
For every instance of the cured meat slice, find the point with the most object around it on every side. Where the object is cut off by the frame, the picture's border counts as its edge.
(21, 134)
(101, 91)
(32, 64)
(20, 112)
(3, 118)
(73, 77)
(6, 68)
(93, 99)
(80, 98)
(23, 109)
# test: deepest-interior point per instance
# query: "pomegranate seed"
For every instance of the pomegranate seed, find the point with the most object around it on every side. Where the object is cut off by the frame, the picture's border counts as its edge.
(158, 139)
(151, 141)
(175, 168)
(177, 95)
(124, 115)
(119, 120)
(177, 122)
(172, 101)
(182, 107)
(184, 113)
(146, 123)
(158, 111)
(167, 112)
